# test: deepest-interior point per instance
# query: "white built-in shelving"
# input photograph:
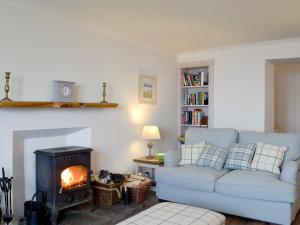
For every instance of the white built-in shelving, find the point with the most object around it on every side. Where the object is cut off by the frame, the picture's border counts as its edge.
(194, 105)
(194, 112)
(196, 86)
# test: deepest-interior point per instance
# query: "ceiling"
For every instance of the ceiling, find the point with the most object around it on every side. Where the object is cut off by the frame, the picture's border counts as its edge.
(184, 25)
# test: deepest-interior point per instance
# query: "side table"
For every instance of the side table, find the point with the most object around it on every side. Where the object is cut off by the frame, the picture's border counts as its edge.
(152, 164)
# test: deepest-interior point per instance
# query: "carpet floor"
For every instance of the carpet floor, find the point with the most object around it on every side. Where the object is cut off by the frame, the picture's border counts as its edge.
(110, 215)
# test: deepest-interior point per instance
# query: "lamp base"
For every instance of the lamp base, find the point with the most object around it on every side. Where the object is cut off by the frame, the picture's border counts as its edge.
(150, 157)
(149, 145)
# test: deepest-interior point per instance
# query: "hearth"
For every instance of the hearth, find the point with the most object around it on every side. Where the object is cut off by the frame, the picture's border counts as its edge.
(63, 175)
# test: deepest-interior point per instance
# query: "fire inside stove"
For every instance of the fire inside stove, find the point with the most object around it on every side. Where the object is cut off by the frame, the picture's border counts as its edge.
(74, 177)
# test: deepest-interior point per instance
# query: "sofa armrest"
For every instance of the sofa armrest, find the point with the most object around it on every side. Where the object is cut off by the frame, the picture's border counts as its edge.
(172, 158)
(290, 171)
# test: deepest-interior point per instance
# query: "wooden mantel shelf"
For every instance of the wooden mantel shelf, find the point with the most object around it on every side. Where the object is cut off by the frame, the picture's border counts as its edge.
(21, 104)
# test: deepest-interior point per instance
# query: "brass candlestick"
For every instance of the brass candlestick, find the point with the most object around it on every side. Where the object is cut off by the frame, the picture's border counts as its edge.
(6, 88)
(104, 92)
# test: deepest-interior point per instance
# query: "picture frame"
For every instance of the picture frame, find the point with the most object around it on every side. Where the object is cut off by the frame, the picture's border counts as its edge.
(147, 89)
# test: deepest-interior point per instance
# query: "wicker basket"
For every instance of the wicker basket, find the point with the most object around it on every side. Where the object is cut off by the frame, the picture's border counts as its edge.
(107, 194)
(139, 192)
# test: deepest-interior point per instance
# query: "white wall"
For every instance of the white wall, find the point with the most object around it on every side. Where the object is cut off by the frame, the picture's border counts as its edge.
(287, 92)
(37, 50)
(270, 98)
(240, 81)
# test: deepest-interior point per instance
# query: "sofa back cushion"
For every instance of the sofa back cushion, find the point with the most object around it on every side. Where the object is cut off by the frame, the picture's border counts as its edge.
(291, 141)
(222, 137)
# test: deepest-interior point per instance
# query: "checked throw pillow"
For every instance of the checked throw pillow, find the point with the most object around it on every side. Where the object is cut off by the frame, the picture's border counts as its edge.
(213, 157)
(190, 153)
(268, 157)
(240, 156)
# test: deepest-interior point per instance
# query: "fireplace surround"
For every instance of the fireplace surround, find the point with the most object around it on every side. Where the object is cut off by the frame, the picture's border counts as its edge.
(63, 175)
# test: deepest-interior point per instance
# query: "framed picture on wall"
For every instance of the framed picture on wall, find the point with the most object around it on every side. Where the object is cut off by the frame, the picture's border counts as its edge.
(147, 89)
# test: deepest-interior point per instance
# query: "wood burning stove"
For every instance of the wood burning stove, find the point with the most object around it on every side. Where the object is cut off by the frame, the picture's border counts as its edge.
(63, 175)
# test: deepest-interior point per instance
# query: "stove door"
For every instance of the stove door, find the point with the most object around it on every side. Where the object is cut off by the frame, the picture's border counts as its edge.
(74, 177)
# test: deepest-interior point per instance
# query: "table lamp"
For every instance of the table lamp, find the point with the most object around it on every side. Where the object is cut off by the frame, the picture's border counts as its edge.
(150, 133)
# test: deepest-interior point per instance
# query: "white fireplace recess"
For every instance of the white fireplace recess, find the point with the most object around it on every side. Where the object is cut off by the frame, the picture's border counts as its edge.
(25, 142)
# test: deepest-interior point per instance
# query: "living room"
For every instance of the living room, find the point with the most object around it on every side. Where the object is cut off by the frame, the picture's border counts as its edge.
(107, 54)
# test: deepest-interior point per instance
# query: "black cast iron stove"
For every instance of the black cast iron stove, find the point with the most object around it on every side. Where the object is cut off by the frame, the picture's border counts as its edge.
(63, 175)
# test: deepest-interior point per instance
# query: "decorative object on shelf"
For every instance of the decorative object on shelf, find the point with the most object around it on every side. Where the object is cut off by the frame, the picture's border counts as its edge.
(160, 157)
(6, 186)
(147, 89)
(64, 91)
(181, 139)
(150, 133)
(192, 80)
(6, 88)
(104, 92)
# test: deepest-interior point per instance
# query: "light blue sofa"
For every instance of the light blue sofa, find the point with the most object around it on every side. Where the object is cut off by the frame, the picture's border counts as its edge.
(253, 194)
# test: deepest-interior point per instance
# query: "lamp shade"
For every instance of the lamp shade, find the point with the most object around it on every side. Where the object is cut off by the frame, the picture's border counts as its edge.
(150, 133)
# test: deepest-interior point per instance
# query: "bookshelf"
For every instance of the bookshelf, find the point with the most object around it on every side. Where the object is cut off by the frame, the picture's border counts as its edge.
(195, 86)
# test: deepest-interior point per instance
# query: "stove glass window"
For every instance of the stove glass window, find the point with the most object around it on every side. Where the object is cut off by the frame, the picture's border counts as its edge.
(74, 177)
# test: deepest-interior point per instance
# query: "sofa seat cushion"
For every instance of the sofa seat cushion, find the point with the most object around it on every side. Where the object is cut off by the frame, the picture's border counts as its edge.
(192, 177)
(259, 185)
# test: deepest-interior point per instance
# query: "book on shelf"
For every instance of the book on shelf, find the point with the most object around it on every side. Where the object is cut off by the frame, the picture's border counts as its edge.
(200, 79)
(198, 98)
(204, 78)
(193, 117)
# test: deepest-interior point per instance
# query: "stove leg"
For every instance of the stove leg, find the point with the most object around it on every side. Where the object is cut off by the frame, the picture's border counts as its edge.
(93, 206)
(54, 215)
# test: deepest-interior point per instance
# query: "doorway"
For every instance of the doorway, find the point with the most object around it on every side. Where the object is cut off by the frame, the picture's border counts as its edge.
(284, 97)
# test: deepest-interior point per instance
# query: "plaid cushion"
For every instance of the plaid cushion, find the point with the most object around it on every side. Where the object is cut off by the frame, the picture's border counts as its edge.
(268, 157)
(212, 156)
(240, 156)
(190, 153)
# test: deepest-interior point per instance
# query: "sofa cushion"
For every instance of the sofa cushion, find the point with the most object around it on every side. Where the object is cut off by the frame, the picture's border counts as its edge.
(213, 157)
(190, 153)
(192, 177)
(219, 137)
(291, 141)
(259, 185)
(268, 157)
(240, 156)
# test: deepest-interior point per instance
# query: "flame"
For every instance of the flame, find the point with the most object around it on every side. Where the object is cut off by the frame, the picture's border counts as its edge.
(74, 176)
(67, 177)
